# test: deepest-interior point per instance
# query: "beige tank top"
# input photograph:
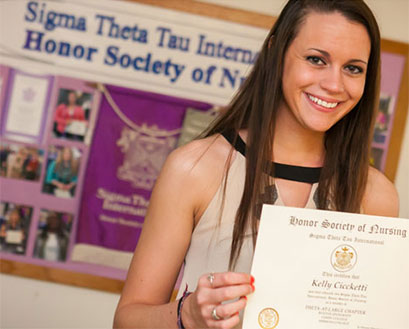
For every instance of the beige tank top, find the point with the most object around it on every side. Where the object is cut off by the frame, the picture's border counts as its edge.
(210, 244)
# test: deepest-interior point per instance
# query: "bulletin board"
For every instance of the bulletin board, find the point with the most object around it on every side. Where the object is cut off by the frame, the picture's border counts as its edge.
(394, 87)
(95, 97)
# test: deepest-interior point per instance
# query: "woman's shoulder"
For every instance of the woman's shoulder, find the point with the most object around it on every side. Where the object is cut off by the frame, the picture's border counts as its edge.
(52, 164)
(61, 107)
(193, 173)
(381, 197)
(199, 157)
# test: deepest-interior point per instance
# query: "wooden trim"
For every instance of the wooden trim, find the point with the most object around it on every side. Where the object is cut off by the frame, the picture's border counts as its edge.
(71, 278)
(214, 11)
(401, 109)
(56, 275)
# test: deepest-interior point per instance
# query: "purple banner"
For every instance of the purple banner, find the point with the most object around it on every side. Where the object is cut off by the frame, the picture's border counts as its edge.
(124, 162)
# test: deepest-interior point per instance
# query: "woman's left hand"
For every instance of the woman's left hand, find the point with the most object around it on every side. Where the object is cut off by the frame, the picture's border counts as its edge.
(206, 306)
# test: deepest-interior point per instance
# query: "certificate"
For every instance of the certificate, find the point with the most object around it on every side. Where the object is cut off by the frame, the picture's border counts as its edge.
(324, 269)
(77, 127)
(14, 237)
(28, 102)
(58, 192)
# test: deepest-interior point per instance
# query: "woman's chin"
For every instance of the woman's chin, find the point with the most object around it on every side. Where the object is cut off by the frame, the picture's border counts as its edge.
(319, 127)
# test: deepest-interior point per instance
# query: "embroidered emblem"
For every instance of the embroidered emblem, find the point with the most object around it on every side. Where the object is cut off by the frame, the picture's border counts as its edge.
(28, 95)
(144, 156)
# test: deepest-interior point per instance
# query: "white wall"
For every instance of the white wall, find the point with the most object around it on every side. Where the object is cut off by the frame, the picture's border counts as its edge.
(28, 303)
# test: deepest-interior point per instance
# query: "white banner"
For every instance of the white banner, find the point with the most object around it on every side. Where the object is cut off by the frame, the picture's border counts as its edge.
(136, 45)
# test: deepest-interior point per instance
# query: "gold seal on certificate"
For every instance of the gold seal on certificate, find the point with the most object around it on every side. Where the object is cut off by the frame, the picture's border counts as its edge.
(326, 269)
(343, 258)
(268, 318)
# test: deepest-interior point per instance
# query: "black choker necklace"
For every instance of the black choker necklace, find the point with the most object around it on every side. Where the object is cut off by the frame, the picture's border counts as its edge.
(295, 173)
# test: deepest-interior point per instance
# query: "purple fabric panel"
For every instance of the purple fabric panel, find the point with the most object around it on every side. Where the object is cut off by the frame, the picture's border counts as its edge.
(107, 157)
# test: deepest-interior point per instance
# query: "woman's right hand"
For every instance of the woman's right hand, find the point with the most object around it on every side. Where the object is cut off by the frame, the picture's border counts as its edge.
(204, 306)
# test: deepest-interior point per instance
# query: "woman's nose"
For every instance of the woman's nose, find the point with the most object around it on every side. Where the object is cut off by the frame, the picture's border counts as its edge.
(332, 81)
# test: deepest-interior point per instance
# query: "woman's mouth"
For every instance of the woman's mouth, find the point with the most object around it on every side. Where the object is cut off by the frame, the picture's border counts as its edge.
(322, 104)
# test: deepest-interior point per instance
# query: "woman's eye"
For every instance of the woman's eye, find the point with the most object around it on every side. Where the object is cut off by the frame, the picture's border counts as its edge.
(315, 60)
(354, 69)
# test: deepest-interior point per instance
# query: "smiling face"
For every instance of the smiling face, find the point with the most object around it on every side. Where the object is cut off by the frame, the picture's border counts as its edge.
(72, 98)
(324, 71)
(53, 223)
(14, 218)
(66, 154)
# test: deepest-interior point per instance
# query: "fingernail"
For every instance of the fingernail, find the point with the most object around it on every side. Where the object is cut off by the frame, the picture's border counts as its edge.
(251, 279)
(252, 287)
(244, 297)
(237, 313)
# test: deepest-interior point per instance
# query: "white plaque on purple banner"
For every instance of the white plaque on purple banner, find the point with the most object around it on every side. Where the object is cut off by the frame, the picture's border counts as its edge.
(27, 103)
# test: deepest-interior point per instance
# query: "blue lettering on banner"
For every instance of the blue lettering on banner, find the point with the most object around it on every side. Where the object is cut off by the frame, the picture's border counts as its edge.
(35, 41)
(200, 75)
(232, 78)
(220, 50)
(144, 63)
(51, 19)
(172, 41)
(32, 9)
(109, 27)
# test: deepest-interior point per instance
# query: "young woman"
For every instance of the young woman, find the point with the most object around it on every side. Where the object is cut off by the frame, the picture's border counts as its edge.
(304, 120)
(62, 173)
(15, 224)
(15, 163)
(66, 113)
(52, 240)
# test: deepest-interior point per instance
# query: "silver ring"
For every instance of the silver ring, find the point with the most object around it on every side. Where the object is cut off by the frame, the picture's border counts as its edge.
(210, 277)
(215, 316)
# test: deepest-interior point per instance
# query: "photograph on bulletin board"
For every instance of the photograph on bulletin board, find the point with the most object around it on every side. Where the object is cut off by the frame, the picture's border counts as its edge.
(392, 70)
(14, 227)
(20, 161)
(61, 177)
(53, 235)
(71, 116)
(383, 119)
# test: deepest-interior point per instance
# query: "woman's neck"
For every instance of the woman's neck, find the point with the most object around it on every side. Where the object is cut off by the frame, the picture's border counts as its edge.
(295, 144)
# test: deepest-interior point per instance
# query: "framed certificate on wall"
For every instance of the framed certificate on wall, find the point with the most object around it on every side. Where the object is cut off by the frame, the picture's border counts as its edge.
(26, 106)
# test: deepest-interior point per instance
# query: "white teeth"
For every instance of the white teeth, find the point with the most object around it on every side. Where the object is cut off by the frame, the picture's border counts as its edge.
(322, 103)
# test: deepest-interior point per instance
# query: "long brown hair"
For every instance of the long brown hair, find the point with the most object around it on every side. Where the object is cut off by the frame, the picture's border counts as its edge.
(254, 107)
(72, 162)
